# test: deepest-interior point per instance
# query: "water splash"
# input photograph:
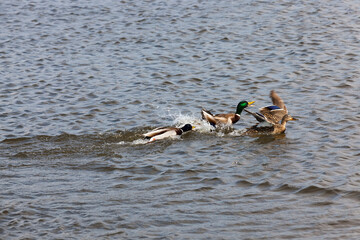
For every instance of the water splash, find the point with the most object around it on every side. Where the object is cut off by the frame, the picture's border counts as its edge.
(238, 132)
(178, 120)
(203, 126)
(199, 124)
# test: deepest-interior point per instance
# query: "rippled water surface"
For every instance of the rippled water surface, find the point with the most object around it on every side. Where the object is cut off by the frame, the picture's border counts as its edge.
(81, 81)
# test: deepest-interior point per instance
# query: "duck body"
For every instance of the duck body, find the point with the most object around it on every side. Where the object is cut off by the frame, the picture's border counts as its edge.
(166, 132)
(272, 114)
(220, 119)
(278, 128)
(227, 119)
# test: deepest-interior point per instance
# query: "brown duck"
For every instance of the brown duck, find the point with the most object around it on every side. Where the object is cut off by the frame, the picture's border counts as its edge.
(227, 118)
(272, 119)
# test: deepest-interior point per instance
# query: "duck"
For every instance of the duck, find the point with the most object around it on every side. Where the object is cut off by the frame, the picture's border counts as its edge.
(273, 114)
(274, 129)
(165, 132)
(227, 119)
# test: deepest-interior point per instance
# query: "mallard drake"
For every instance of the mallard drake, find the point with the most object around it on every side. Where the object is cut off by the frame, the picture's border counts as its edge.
(271, 114)
(165, 132)
(272, 129)
(225, 119)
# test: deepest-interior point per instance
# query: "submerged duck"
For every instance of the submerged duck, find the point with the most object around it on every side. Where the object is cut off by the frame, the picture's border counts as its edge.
(273, 129)
(165, 132)
(272, 114)
(225, 119)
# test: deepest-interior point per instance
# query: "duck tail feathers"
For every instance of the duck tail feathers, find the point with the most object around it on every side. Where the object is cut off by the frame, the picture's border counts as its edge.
(205, 113)
(259, 117)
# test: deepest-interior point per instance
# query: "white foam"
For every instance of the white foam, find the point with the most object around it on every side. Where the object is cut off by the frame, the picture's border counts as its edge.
(135, 142)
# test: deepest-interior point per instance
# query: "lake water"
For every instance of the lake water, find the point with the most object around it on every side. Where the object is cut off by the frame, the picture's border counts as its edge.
(81, 81)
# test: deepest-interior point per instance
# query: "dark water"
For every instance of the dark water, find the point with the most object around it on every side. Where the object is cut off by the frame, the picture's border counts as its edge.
(81, 81)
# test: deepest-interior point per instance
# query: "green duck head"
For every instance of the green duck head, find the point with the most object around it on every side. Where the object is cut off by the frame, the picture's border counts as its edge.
(243, 104)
